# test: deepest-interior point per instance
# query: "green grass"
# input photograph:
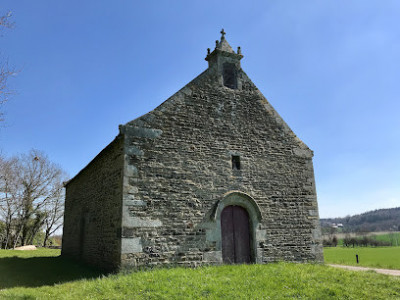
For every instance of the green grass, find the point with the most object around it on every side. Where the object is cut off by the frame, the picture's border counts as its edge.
(392, 237)
(389, 237)
(379, 257)
(40, 252)
(39, 267)
(272, 281)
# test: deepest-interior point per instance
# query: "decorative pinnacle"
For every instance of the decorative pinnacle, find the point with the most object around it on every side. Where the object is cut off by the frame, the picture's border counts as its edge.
(222, 34)
(222, 48)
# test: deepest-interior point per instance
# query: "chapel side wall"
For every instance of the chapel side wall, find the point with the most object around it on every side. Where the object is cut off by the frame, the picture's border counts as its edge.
(178, 166)
(92, 221)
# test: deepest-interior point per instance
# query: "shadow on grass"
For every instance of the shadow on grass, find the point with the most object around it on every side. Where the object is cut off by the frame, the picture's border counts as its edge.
(39, 271)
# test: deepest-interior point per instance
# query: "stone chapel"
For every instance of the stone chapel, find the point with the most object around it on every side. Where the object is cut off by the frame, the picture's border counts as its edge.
(211, 176)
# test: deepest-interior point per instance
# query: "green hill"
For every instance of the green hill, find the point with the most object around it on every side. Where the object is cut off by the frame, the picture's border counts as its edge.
(376, 220)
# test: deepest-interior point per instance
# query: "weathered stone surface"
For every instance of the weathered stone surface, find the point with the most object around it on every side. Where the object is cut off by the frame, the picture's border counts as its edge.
(93, 209)
(131, 245)
(213, 257)
(132, 221)
(178, 176)
(135, 203)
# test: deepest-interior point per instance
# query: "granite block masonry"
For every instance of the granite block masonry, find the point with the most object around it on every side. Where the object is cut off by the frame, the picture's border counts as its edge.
(213, 175)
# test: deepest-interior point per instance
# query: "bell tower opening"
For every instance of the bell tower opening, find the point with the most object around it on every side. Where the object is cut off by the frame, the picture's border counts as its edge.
(230, 75)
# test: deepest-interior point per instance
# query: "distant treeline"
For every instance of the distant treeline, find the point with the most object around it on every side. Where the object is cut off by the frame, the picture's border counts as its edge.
(377, 220)
(363, 241)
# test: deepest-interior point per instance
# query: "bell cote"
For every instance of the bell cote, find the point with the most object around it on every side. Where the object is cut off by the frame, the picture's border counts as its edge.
(225, 62)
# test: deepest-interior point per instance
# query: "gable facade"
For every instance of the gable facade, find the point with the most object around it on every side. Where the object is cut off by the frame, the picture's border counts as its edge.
(213, 175)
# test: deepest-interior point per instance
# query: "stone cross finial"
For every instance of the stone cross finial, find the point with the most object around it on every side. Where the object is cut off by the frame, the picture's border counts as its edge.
(222, 34)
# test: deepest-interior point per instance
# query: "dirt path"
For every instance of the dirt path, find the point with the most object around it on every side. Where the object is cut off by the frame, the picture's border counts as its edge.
(382, 271)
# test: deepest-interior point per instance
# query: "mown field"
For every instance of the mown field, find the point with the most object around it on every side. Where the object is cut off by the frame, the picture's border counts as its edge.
(377, 257)
(29, 276)
(392, 237)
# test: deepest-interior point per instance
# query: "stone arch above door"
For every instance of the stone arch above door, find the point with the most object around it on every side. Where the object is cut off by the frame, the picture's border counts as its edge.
(241, 199)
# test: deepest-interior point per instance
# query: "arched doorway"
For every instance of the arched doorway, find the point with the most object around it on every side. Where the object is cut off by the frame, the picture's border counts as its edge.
(235, 231)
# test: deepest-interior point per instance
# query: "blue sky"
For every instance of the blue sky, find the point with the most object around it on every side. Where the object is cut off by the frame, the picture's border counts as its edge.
(330, 68)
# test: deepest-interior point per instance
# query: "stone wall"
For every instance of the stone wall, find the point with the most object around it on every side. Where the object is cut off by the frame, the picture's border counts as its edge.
(92, 223)
(155, 195)
(178, 176)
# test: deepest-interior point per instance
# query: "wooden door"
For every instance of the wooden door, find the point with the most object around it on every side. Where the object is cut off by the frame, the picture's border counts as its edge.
(235, 235)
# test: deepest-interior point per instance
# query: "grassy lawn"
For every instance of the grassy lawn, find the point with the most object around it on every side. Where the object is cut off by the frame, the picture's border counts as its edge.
(38, 267)
(272, 281)
(379, 257)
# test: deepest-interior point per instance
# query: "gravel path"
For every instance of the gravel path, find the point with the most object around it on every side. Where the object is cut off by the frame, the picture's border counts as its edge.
(382, 271)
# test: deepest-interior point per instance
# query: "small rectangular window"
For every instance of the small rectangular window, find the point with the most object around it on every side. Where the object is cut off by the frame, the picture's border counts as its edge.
(235, 162)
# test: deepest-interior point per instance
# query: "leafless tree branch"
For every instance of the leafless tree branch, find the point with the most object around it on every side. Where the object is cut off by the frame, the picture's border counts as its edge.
(5, 70)
(5, 21)
(31, 196)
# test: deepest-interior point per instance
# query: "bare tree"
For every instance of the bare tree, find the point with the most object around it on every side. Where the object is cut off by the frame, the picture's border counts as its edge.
(5, 92)
(5, 21)
(54, 211)
(5, 70)
(40, 181)
(31, 197)
(10, 202)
